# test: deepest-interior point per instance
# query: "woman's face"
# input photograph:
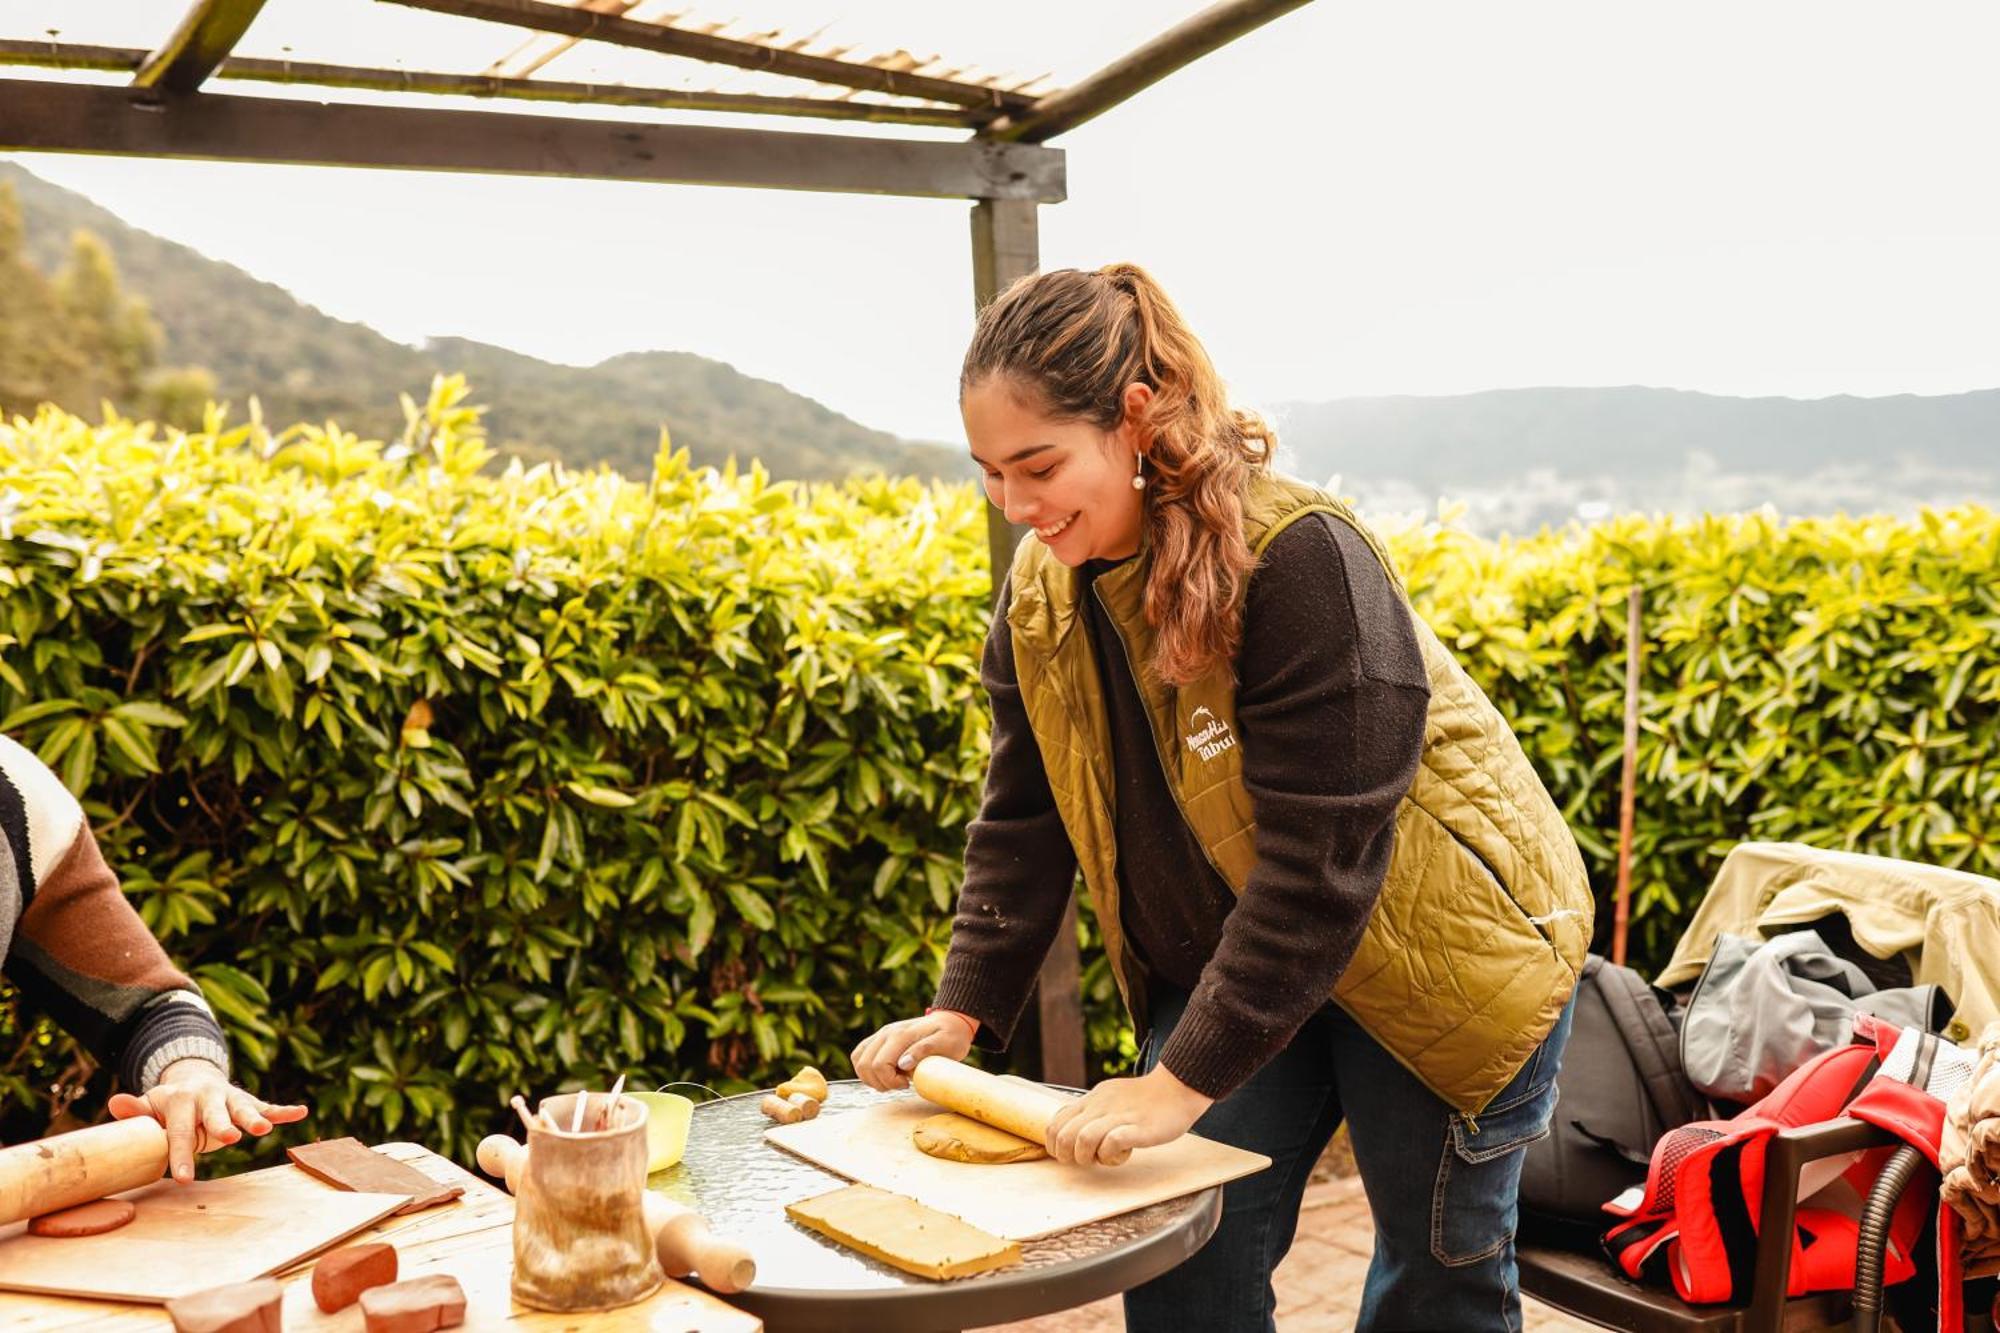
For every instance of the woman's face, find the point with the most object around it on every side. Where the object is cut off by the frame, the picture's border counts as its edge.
(1068, 480)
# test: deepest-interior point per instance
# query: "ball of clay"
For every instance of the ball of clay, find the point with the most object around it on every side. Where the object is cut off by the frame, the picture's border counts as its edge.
(416, 1306)
(241, 1307)
(86, 1219)
(960, 1138)
(339, 1279)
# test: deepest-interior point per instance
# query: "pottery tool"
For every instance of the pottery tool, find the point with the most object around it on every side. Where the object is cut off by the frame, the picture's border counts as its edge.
(604, 1112)
(85, 1164)
(1020, 1108)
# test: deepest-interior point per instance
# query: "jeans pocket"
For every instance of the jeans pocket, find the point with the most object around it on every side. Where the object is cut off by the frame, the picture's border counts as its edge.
(1476, 1200)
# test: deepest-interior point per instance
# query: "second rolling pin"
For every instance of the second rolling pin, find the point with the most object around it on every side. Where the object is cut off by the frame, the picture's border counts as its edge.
(1015, 1105)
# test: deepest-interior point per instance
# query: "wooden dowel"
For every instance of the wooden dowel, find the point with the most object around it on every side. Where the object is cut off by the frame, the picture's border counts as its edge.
(1621, 910)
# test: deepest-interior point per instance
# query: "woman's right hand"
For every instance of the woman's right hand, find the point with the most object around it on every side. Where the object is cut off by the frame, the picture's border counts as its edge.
(884, 1061)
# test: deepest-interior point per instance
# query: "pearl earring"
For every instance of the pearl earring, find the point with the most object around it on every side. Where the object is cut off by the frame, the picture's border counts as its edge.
(1138, 472)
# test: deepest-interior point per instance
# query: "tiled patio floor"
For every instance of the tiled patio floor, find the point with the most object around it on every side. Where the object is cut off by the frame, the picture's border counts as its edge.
(1319, 1284)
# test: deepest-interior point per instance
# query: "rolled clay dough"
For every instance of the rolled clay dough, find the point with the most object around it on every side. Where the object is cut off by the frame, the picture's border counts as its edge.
(86, 1219)
(960, 1138)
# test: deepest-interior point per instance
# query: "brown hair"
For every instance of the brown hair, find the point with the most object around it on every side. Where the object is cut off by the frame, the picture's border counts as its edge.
(1075, 340)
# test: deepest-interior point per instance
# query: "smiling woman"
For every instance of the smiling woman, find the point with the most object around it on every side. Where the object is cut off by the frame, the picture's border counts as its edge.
(1210, 696)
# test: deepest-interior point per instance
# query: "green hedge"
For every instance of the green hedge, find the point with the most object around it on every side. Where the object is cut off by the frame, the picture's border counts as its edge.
(448, 784)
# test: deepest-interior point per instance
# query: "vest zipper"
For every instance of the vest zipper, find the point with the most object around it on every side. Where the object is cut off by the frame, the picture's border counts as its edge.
(1153, 731)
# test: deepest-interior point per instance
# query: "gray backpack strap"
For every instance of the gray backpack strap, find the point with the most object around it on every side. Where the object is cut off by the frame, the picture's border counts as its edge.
(1649, 1034)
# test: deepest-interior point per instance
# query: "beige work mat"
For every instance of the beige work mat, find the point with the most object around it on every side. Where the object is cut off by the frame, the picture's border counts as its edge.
(1017, 1200)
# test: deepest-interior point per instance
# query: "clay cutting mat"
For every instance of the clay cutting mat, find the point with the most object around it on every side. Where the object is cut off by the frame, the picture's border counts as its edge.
(1019, 1200)
(187, 1237)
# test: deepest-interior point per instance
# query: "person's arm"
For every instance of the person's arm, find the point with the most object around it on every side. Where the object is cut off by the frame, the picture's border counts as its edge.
(1019, 866)
(1331, 709)
(81, 954)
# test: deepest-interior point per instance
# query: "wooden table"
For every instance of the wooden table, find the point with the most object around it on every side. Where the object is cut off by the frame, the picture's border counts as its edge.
(471, 1239)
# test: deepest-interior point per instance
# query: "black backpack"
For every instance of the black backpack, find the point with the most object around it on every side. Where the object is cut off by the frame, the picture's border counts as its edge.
(1620, 1088)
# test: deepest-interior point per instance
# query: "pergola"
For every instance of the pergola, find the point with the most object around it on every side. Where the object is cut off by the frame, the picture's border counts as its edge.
(1003, 165)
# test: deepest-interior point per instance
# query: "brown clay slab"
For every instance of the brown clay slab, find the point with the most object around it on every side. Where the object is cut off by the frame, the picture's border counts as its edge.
(86, 1219)
(349, 1164)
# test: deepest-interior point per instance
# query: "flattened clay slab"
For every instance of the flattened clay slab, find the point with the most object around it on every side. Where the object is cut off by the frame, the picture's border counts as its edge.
(903, 1233)
(960, 1138)
(349, 1164)
(86, 1219)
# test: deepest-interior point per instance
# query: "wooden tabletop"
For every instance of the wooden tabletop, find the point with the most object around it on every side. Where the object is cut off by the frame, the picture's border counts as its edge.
(471, 1239)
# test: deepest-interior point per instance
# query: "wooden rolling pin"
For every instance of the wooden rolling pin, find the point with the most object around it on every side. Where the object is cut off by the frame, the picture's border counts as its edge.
(85, 1164)
(681, 1238)
(1015, 1105)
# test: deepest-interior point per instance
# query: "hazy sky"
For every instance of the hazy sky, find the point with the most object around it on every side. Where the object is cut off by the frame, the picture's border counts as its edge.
(1427, 196)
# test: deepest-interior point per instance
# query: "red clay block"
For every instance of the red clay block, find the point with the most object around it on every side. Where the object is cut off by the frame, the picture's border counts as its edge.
(242, 1307)
(416, 1306)
(340, 1278)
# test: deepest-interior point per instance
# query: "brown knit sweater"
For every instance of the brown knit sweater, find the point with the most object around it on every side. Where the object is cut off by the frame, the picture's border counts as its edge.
(1331, 703)
(74, 947)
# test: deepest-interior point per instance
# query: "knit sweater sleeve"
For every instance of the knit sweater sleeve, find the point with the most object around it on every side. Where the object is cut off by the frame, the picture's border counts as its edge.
(78, 951)
(1331, 706)
(1019, 866)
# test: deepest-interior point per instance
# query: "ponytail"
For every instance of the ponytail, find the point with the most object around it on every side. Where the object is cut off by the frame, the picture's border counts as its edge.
(1076, 340)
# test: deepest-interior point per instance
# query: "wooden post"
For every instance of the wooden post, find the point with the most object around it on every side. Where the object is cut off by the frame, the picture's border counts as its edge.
(1006, 246)
(1629, 784)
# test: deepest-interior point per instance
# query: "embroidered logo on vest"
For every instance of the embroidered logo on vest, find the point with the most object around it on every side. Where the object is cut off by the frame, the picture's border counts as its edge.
(1211, 739)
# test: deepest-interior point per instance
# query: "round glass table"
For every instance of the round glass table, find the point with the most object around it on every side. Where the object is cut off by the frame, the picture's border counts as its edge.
(807, 1283)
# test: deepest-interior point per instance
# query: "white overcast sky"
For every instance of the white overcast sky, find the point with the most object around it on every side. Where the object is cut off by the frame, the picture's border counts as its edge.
(1406, 196)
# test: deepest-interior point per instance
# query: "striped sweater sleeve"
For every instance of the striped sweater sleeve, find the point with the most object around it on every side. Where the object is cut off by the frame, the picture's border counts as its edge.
(73, 945)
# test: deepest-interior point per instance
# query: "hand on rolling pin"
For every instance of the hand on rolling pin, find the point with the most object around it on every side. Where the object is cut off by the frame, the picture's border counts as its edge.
(1105, 1124)
(202, 1111)
(884, 1061)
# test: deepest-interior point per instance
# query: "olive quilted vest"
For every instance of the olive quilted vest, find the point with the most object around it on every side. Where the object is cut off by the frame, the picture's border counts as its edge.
(1485, 915)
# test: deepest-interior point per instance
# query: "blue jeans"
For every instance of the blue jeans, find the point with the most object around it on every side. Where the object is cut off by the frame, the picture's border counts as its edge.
(1443, 1192)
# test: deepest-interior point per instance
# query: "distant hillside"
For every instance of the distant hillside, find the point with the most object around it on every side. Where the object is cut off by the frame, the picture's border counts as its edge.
(1523, 457)
(307, 366)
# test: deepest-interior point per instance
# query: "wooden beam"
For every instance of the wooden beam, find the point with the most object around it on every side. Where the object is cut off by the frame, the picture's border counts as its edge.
(41, 116)
(207, 33)
(58, 55)
(1186, 42)
(1006, 245)
(620, 31)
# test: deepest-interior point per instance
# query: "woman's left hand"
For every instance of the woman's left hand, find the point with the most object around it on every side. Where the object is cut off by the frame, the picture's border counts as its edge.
(1105, 1124)
(202, 1111)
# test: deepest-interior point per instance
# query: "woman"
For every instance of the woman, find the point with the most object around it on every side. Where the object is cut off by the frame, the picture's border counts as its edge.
(1329, 883)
